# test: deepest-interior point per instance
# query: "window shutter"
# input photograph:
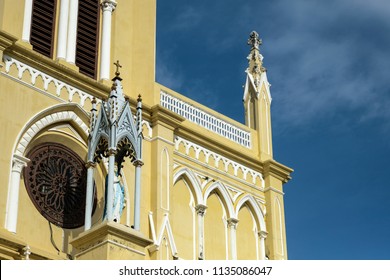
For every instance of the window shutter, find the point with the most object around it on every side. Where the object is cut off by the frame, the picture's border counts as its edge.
(42, 26)
(87, 37)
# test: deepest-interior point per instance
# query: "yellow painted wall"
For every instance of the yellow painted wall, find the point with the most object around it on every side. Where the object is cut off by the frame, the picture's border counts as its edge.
(215, 230)
(246, 236)
(182, 219)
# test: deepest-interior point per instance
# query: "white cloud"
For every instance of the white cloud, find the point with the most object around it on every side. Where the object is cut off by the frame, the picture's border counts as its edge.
(329, 59)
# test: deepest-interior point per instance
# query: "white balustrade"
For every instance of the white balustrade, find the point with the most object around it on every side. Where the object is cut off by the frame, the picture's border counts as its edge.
(205, 119)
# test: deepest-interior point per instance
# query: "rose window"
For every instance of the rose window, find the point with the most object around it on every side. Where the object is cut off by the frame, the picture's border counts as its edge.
(55, 179)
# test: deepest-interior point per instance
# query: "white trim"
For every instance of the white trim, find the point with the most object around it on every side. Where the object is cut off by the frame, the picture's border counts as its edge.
(158, 239)
(217, 158)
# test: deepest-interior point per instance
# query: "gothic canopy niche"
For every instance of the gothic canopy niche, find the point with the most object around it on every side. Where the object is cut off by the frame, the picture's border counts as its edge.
(55, 180)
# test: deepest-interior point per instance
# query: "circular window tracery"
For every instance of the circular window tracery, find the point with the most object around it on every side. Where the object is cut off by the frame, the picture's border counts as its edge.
(55, 179)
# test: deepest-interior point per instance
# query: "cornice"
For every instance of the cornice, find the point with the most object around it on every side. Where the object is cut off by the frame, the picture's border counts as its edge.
(164, 116)
(6, 40)
(14, 247)
(278, 170)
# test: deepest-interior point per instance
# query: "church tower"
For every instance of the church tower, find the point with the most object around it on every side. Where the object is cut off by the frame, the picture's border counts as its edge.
(90, 170)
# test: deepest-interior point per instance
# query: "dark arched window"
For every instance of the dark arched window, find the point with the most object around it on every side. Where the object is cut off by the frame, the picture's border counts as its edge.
(42, 26)
(87, 37)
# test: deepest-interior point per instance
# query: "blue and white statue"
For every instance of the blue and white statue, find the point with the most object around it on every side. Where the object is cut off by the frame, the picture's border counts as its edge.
(118, 202)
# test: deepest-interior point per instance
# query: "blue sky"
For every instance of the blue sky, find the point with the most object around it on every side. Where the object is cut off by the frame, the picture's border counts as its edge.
(329, 66)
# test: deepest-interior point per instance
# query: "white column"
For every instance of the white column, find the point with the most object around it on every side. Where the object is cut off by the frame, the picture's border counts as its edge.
(110, 184)
(200, 211)
(27, 20)
(72, 31)
(232, 229)
(89, 196)
(137, 194)
(108, 6)
(11, 216)
(262, 236)
(63, 29)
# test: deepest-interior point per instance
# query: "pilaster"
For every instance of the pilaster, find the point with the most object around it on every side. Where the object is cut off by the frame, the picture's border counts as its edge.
(161, 171)
(275, 175)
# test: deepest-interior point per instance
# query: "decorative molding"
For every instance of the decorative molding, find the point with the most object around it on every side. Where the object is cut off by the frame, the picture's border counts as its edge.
(18, 162)
(108, 5)
(200, 209)
(47, 79)
(218, 158)
(232, 223)
(206, 120)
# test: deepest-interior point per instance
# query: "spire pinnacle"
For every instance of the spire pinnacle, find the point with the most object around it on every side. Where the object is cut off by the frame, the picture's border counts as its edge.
(255, 59)
(254, 40)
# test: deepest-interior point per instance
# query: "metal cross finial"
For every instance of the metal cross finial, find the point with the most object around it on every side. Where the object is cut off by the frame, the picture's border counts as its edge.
(254, 40)
(117, 73)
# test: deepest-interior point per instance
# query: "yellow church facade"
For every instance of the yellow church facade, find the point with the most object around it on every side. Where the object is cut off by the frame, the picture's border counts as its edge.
(190, 182)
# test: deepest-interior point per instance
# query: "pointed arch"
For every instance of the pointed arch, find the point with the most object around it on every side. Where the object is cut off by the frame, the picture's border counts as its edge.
(71, 113)
(221, 191)
(255, 209)
(194, 184)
